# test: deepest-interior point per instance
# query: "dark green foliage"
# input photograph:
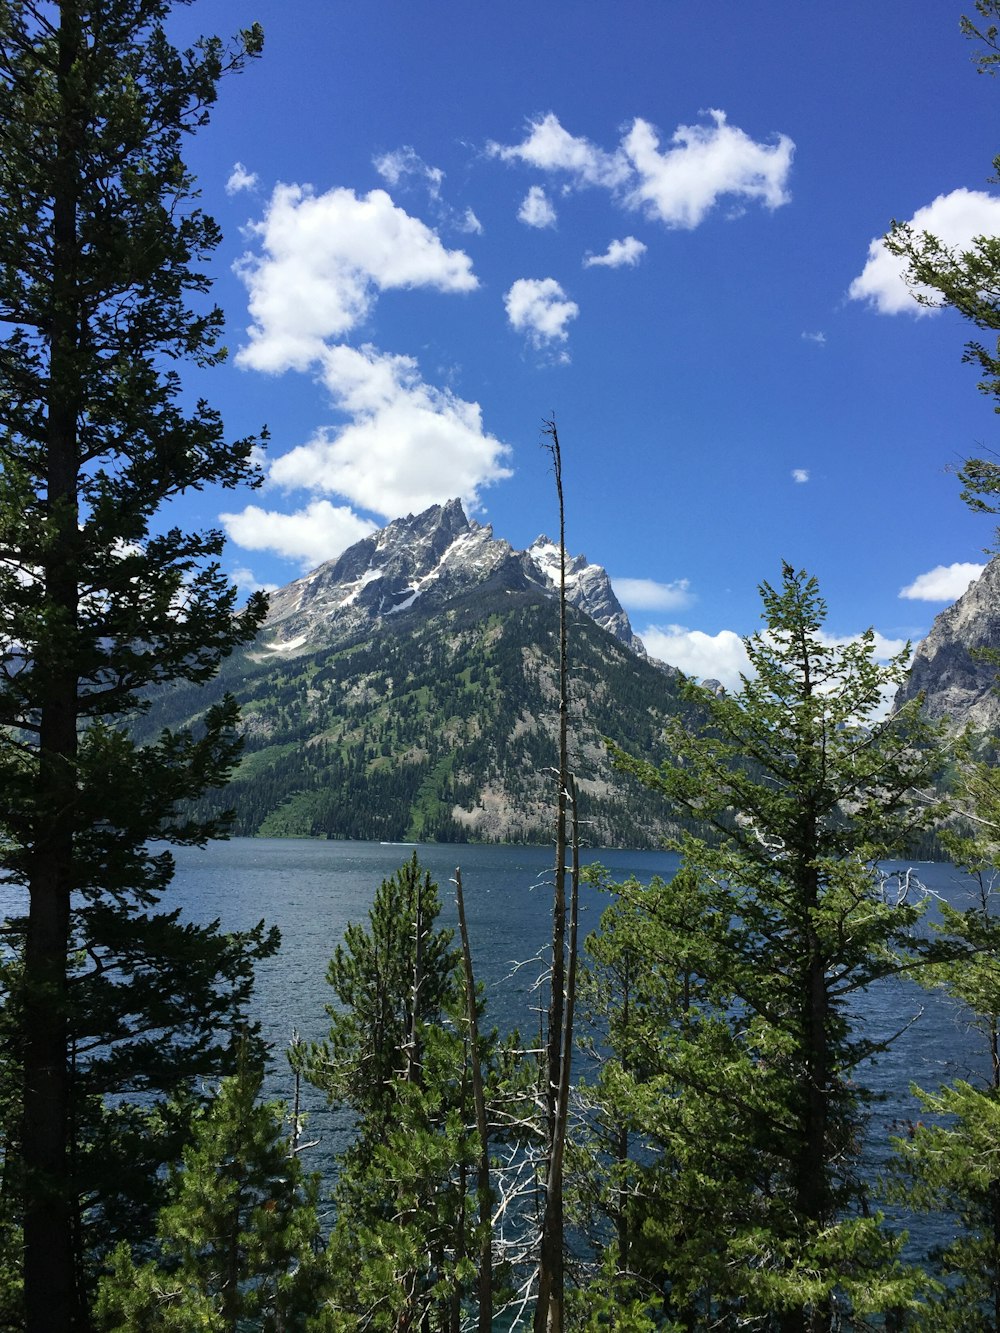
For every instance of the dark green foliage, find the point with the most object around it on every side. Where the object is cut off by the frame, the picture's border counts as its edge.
(391, 739)
(948, 1162)
(752, 1087)
(238, 1241)
(101, 299)
(406, 1237)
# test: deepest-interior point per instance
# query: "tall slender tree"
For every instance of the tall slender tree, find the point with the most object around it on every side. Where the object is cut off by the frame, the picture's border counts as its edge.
(807, 789)
(101, 598)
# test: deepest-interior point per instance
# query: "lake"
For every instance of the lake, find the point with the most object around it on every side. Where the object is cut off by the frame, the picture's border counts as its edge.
(311, 890)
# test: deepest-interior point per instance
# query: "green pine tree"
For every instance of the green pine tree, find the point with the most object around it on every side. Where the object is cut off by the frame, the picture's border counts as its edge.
(101, 600)
(948, 1163)
(406, 1241)
(806, 791)
(238, 1235)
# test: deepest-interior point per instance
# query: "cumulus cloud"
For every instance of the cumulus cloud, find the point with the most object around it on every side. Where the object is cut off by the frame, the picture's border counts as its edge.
(648, 595)
(719, 656)
(723, 656)
(240, 179)
(320, 264)
(537, 209)
(469, 223)
(407, 444)
(405, 163)
(800, 475)
(704, 163)
(320, 531)
(618, 254)
(955, 219)
(678, 185)
(539, 308)
(322, 261)
(943, 583)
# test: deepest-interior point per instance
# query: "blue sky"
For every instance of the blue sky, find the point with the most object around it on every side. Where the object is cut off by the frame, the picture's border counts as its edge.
(653, 219)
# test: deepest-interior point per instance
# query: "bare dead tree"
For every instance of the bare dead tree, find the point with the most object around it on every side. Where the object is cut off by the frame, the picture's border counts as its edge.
(549, 1306)
(483, 1188)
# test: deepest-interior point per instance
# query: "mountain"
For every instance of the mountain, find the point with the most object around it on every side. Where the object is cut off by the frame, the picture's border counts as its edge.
(422, 562)
(408, 690)
(956, 683)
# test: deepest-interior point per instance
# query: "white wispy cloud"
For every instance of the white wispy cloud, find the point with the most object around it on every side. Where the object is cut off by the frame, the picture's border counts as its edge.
(247, 582)
(551, 148)
(800, 475)
(240, 179)
(677, 185)
(955, 219)
(627, 251)
(943, 583)
(540, 309)
(469, 223)
(406, 163)
(817, 337)
(318, 532)
(537, 209)
(321, 262)
(648, 595)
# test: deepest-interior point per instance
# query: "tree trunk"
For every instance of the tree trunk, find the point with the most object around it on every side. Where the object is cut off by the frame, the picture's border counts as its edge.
(51, 1300)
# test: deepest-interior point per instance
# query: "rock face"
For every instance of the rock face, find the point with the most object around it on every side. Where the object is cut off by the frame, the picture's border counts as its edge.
(419, 564)
(958, 685)
(408, 691)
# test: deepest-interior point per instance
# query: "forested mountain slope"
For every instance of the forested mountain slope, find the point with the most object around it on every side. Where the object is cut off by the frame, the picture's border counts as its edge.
(372, 712)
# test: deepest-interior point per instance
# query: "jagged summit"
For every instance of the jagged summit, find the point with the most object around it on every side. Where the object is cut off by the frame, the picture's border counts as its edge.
(958, 684)
(421, 562)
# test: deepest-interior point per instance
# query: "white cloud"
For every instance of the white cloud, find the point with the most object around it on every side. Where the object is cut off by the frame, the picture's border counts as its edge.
(406, 162)
(679, 185)
(648, 595)
(723, 657)
(319, 532)
(247, 582)
(321, 263)
(240, 179)
(814, 337)
(625, 252)
(539, 308)
(469, 223)
(943, 583)
(955, 219)
(551, 148)
(705, 656)
(536, 209)
(800, 475)
(408, 444)
(323, 260)
(883, 648)
(703, 163)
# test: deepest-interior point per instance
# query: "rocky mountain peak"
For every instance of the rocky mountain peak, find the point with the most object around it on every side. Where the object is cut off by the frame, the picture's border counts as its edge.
(588, 588)
(957, 684)
(422, 561)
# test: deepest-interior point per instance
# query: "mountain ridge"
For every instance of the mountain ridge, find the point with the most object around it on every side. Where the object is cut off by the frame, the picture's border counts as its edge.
(408, 691)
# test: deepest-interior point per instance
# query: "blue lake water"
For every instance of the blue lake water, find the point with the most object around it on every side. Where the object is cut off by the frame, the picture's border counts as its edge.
(311, 890)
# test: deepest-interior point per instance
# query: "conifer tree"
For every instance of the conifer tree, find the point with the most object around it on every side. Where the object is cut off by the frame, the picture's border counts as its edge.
(238, 1234)
(807, 790)
(406, 1241)
(101, 597)
(948, 1163)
